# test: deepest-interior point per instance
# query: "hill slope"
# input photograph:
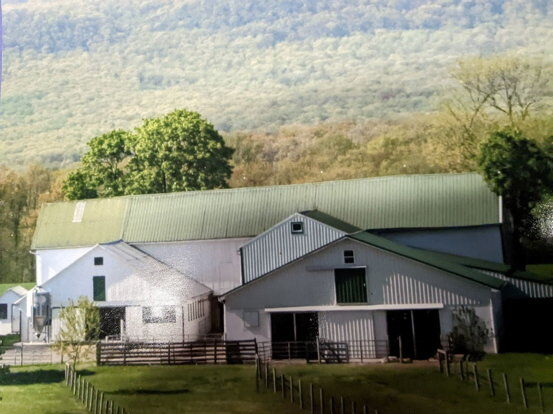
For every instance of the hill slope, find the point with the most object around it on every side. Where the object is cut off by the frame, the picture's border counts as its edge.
(75, 68)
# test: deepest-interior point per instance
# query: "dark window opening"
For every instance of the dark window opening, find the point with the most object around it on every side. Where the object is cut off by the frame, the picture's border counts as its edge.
(3, 311)
(351, 286)
(98, 261)
(297, 227)
(348, 256)
(159, 314)
(99, 288)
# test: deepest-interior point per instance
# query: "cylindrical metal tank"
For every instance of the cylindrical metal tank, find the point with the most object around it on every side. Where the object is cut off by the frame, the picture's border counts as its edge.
(42, 310)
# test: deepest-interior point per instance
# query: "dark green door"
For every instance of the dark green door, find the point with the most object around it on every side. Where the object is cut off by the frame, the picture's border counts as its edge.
(99, 288)
(351, 286)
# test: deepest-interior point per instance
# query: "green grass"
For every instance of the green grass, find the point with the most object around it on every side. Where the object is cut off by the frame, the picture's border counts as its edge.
(419, 388)
(37, 389)
(186, 389)
(6, 286)
(9, 340)
(543, 270)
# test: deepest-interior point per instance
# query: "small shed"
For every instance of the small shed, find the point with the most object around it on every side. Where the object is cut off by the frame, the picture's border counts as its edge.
(7, 299)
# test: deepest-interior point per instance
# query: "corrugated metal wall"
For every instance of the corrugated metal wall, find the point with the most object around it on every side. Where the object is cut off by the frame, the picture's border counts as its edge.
(279, 245)
(404, 288)
(529, 288)
(346, 326)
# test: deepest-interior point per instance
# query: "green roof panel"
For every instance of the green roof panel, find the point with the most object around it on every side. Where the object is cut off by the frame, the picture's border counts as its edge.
(412, 201)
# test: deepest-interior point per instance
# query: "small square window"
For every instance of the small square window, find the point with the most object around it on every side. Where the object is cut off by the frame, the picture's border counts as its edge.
(3, 311)
(348, 256)
(297, 227)
(251, 319)
(98, 261)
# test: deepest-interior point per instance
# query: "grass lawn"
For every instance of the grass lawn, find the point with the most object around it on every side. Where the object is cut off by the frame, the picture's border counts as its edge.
(419, 388)
(186, 389)
(6, 286)
(37, 389)
(543, 270)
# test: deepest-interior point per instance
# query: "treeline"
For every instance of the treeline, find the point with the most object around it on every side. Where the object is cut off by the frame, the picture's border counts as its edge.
(75, 69)
(21, 195)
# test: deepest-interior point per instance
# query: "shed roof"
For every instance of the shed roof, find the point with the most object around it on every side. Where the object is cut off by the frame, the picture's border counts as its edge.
(411, 201)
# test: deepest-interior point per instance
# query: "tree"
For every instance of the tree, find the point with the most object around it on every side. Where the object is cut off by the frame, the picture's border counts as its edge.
(180, 151)
(501, 90)
(521, 172)
(80, 327)
(469, 334)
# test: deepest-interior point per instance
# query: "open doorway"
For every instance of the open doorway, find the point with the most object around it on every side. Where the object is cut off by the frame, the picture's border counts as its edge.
(111, 320)
(291, 333)
(418, 329)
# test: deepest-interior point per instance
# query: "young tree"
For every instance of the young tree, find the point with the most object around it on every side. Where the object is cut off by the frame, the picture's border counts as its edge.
(180, 151)
(469, 334)
(521, 172)
(80, 327)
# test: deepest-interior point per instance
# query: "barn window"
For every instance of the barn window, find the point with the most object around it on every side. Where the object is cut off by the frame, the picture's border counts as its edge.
(251, 319)
(3, 311)
(297, 227)
(98, 261)
(99, 288)
(348, 256)
(351, 286)
(159, 314)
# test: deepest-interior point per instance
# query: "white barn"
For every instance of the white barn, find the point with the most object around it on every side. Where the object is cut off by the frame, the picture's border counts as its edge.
(182, 265)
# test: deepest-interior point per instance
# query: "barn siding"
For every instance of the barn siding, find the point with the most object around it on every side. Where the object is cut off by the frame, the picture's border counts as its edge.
(346, 326)
(279, 246)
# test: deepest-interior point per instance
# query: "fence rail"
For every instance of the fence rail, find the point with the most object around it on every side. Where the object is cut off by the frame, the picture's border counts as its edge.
(22, 354)
(94, 400)
(176, 353)
(324, 350)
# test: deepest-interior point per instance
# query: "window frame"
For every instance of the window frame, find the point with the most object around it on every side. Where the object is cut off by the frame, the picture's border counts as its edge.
(1, 312)
(98, 260)
(168, 314)
(300, 231)
(104, 295)
(348, 257)
(362, 294)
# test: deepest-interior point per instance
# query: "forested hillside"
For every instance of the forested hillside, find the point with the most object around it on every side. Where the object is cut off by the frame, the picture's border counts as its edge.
(74, 69)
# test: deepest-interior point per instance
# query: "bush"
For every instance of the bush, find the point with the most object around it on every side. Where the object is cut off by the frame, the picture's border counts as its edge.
(469, 334)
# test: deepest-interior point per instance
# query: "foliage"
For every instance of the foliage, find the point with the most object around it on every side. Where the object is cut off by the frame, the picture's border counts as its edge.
(21, 193)
(469, 334)
(521, 172)
(180, 151)
(75, 69)
(79, 328)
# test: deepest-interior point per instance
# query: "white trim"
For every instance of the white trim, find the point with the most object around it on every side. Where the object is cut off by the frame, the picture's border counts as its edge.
(346, 308)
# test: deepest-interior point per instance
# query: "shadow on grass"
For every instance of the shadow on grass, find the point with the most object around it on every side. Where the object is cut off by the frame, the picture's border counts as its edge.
(149, 392)
(39, 376)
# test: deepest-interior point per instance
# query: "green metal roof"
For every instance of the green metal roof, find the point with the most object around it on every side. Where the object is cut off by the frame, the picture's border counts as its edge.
(412, 201)
(428, 258)
(471, 261)
(331, 221)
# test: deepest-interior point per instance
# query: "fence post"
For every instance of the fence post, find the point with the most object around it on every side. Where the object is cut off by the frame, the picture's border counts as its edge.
(291, 389)
(461, 370)
(400, 350)
(490, 380)
(506, 385)
(321, 397)
(101, 403)
(98, 353)
(283, 388)
(476, 381)
(318, 350)
(342, 405)
(311, 401)
(300, 396)
(365, 409)
(274, 381)
(266, 376)
(540, 397)
(289, 352)
(523, 392)
(331, 405)
(256, 373)
(353, 408)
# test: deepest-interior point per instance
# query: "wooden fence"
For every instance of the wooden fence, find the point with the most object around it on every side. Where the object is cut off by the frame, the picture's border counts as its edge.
(176, 353)
(512, 390)
(94, 400)
(306, 396)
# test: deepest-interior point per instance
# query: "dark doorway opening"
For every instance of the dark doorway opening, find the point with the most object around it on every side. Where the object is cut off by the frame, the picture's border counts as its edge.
(419, 331)
(110, 321)
(524, 327)
(293, 334)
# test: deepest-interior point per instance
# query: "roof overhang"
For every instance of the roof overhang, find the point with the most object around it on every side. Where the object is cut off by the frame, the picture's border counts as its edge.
(350, 308)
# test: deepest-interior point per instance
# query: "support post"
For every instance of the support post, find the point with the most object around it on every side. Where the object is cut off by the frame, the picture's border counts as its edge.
(318, 350)
(506, 386)
(400, 349)
(476, 379)
(490, 381)
(523, 392)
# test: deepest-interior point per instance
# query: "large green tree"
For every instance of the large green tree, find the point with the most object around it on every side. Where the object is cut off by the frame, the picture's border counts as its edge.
(180, 151)
(520, 171)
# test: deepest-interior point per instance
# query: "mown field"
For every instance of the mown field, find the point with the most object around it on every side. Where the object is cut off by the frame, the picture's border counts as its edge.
(392, 388)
